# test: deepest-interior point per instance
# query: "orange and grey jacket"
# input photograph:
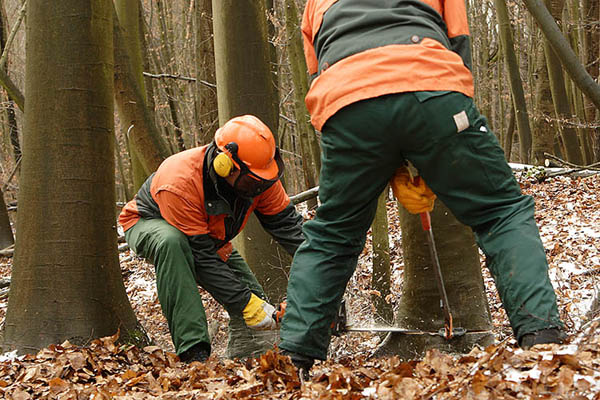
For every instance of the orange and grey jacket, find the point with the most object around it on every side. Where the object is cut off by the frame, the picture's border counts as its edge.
(185, 192)
(360, 49)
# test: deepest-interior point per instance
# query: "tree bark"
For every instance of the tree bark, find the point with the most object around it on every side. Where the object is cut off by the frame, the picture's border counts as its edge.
(516, 85)
(562, 107)
(420, 301)
(544, 131)
(381, 277)
(207, 115)
(10, 108)
(145, 138)
(66, 281)
(242, 61)
(7, 238)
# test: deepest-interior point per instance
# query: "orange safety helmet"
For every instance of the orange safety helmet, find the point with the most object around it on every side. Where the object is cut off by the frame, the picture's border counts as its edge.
(248, 144)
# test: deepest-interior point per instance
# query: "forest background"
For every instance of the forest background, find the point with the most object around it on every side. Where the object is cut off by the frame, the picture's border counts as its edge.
(533, 105)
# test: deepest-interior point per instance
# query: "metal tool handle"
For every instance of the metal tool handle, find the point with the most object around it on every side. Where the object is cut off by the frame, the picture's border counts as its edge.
(448, 324)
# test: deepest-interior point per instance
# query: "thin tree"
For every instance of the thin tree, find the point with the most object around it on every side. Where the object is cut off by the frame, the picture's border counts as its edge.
(145, 141)
(562, 107)
(207, 116)
(516, 85)
(66, 281)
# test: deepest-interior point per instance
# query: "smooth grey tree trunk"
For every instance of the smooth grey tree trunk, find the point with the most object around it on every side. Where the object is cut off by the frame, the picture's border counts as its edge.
(381, 277)
(420, 300)
(207, 115)
(144, 137)
(66, 282)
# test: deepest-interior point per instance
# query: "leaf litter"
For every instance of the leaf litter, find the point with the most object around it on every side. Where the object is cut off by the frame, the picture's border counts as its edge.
(568, 214)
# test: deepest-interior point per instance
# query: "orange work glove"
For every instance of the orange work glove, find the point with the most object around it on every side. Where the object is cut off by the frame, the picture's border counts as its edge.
(413, 194)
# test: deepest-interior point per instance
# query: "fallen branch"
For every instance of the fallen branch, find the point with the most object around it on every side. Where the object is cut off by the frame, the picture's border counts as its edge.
(542, 173)
(593, 167)
(8, 251)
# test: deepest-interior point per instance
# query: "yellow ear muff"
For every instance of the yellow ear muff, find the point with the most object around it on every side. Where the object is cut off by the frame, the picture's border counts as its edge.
(223, 165)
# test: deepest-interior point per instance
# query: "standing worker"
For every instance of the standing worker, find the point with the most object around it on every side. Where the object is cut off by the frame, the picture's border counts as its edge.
(183, 218)
(391, 81)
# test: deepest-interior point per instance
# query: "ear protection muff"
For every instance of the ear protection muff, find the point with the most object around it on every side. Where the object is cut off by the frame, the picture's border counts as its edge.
(222, 163)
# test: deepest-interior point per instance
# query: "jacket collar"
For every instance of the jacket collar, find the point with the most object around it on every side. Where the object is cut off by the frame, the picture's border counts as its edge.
(214, 202)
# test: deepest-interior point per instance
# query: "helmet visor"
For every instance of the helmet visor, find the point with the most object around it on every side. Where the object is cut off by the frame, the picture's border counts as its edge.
(248, 184)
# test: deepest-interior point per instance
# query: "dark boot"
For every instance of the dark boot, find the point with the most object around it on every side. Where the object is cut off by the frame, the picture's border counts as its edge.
(550, 335)
(198, 352)
(302, 363)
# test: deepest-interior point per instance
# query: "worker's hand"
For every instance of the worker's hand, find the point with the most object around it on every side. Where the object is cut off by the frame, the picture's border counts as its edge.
(413, 194)
(258, 314)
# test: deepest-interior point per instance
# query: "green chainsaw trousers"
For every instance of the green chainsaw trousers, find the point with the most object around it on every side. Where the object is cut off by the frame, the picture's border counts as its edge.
(177, 285)
(443, 135)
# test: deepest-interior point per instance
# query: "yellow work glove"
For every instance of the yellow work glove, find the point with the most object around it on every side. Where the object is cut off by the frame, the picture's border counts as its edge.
(413, 194)
(258, 314)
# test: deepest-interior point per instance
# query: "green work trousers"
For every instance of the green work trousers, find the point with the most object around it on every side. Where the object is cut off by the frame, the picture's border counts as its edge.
(443, 135)
(177, 282)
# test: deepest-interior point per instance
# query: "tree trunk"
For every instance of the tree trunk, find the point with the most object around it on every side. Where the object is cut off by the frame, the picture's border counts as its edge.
(128, 20)
(6, 234)
(10, 107)
(207, 116)
(545, 129)
(168, 55)
(66, 282)
(510, 133)
(380, 280)
(420, 300)
(242, 60)
(516, 85)
(310, 149)
(591, 16)
(560, 99)
(144, 138)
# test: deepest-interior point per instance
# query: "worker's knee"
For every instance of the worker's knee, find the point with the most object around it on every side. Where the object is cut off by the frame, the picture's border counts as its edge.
(172, 241)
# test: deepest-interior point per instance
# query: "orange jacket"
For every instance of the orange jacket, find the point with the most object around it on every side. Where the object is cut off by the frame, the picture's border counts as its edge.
(360, 49)
(184, 194)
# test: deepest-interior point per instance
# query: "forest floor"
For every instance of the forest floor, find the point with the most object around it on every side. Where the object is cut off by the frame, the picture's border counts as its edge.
(568, 214)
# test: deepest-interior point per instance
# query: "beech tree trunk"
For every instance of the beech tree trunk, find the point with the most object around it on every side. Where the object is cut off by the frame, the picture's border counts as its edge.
(145, 141)
(380, 280)
(420, 300)
(207, 115)
(66, 282)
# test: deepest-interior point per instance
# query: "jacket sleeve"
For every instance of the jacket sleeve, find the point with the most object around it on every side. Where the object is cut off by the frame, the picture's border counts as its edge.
(285, 227)
(215, 276)
(308, 32)
(455, 16)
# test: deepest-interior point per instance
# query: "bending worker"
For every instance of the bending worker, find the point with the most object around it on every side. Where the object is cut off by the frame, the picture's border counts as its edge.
(183, 218)
(391, 81)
